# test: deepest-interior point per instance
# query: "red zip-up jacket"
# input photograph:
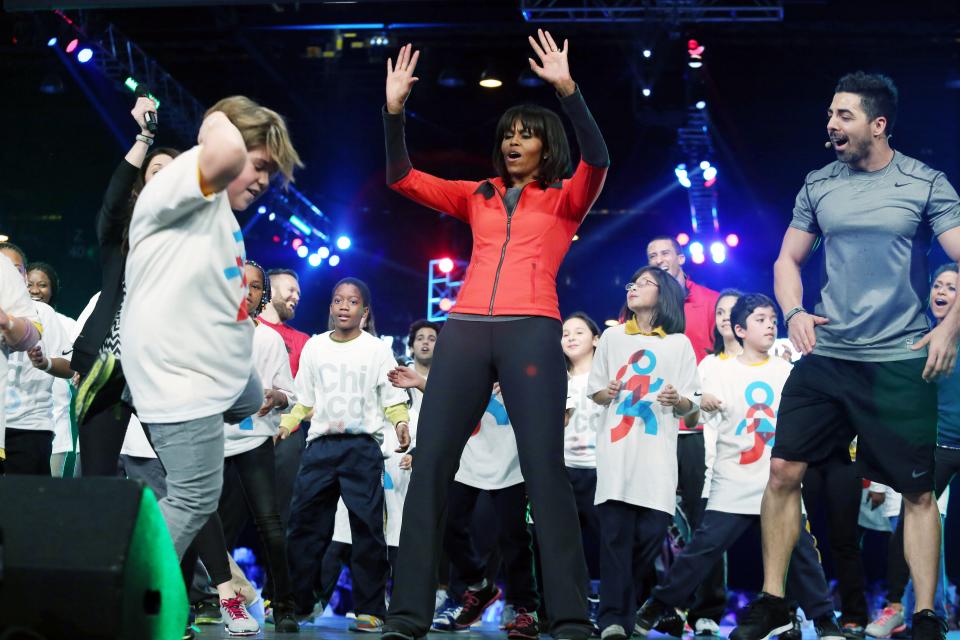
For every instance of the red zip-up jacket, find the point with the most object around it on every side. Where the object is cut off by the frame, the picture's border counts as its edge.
(513, 268)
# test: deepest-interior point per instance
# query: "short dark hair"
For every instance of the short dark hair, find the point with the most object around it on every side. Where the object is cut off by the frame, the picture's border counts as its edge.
(718, 344)
(284, 272)
(747, 304)
(51, 273)
(947, 266)
(365, 297)
(544, 124)
(878, 95)
(422, 323)
(673, 241)
(9, 246)
(669, 312)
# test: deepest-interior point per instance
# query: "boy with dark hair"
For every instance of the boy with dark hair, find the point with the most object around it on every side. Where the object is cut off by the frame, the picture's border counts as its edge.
(749, 388)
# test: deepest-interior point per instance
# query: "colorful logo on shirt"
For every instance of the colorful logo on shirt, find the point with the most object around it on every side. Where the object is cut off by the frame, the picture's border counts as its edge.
(640, 365)
(759, 421)
(496, 409)
(387, 482)
(237, 271)
(246, 425)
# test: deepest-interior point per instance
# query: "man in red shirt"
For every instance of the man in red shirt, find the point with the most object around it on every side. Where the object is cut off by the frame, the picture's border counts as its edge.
(699, 307)
(284, 298)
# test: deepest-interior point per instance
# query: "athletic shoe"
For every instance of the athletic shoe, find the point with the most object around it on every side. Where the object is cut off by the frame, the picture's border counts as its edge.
(765, 616)
(525, 626)
(189, 633)
(507, 615)
(439, 599)
(593, 608)
(236, 619)
(795, 632)
(475, 602)
(706, 628)
(852, 630)
(207, 612)
(284, 619)
(889, 622)
(649, 616)
(95, 380)
(613, 632)
(446, 619)
(928, 626)
(366, 623)
(672, 623)
(827, 628)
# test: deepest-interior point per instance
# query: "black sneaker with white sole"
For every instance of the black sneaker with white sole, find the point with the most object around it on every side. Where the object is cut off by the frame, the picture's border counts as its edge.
(928, 626)
(765, 616)
(827, 628)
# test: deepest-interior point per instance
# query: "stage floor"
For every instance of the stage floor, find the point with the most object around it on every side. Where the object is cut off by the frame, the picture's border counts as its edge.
(335, 628)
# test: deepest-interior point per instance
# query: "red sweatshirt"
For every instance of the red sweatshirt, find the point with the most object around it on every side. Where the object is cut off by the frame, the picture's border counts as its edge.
(699, 310)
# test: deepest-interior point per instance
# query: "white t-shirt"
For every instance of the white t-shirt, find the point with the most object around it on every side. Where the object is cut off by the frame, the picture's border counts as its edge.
(745, 431)
(15, 301)
(396, 481)
(346, 384)
(29, 399)
(187, 339)
(706, 369)
(637, 445)
(62, 429)
(878, 519)
(272, 363)
(580, 434)
(490, 459)
(135, 443)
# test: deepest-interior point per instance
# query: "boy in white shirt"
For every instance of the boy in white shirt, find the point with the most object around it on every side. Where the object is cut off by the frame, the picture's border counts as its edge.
(186, 334)
(343, 379)
(747, 390)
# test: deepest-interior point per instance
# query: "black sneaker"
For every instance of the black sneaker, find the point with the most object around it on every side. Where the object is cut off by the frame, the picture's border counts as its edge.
(285, 618)
(765, 616)
(524, 626)
(672, 623)
(795, 632)
(827, 628)
(475, 603)
(928, 626)
(649, 616)
(207, 612)
(392, 633)
(853, 630)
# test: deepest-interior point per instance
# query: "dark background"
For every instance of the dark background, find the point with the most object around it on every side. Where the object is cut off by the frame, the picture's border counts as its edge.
(768, 86)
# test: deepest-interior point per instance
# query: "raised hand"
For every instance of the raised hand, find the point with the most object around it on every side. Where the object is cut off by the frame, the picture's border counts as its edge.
(406, 378)
(139, 113)
(553, 67)
(400, 78)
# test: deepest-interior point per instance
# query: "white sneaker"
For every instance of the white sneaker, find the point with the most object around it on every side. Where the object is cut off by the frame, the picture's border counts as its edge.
(236, 619)
(439, 599)
(507, 616)
(705, 627)
(613, 632)
(889, 621)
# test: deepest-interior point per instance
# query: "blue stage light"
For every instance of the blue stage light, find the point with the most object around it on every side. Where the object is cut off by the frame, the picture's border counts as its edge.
(314, 260)
(343, 243)
(85, 55)
(334, 260)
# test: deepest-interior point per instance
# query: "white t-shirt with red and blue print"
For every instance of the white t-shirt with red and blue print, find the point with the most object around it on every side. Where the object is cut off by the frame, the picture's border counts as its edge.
(580, 434)
(745, 429)
(187, 339)
(637, 444)
(490, 460)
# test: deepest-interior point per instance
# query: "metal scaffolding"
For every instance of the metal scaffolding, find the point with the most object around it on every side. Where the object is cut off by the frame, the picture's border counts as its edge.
(665, 11)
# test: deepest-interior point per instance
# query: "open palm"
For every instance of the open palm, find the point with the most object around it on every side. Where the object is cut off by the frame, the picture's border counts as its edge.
(400, 78)
(553, 67)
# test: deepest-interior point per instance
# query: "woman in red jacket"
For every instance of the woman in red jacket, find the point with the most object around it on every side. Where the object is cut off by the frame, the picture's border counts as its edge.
(505, 327)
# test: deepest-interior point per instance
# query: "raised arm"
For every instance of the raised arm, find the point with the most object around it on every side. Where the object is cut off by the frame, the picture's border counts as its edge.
(115, 210)
(788, 286)
(223, 153)
(587, 181)
(446, 196)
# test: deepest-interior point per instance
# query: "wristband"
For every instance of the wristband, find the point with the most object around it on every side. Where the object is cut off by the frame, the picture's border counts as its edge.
(693, 407)
(147, 140)
(790, 314)
(49, 364)
(11, 323)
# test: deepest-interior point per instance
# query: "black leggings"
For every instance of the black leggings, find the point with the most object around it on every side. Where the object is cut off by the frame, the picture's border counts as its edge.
(526, 358)
(103, 429)
(28, 452)
(255, 471)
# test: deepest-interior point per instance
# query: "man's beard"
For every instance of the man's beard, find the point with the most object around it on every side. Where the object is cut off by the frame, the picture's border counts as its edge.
(856, 152)
(284, 312)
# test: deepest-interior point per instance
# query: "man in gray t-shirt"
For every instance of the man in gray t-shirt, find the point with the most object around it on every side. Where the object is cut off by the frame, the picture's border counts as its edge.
(869, 352)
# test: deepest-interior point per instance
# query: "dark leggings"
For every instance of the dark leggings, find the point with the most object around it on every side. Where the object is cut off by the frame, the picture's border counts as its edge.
(526, 358)
(28, 452)
(255, 471)
(103, 429)
(947, 465)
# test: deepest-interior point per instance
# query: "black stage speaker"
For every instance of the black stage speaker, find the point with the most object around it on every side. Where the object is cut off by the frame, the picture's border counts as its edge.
(86, 558)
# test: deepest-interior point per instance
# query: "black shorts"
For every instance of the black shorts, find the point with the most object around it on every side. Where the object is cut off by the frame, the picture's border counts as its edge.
(887, 405)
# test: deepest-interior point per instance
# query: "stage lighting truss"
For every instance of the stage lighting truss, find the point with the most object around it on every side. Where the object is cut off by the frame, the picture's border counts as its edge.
(664, 11)
(444, 279)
